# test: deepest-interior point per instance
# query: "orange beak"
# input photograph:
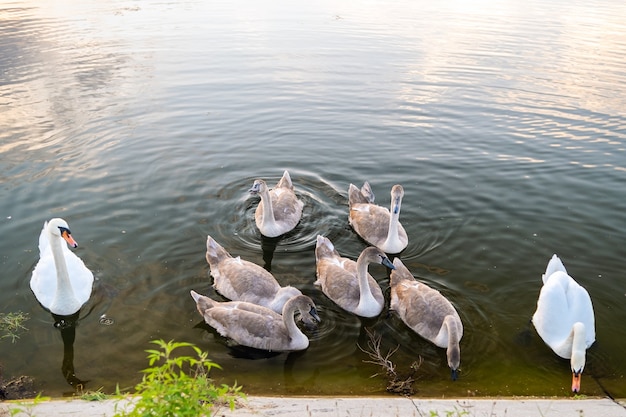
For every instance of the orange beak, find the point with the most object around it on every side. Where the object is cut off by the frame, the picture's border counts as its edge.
(69, 239)
(576, 381)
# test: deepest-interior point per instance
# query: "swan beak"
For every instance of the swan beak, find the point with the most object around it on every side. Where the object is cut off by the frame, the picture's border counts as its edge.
(68, 238)
(454, 374)
(313, 313)
(385, 261)
(396, 206)
(576, 381)
(256, 188)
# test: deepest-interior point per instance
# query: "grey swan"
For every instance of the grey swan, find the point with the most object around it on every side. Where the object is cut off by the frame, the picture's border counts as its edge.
(427, 313)
(279, 210)
(377, 225)
(256, 326)
(240, 280)
(346, 282)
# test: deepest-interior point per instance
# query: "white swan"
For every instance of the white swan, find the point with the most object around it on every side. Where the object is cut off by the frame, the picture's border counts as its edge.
(375, 224)
(241, 280)
(279, 210)
(60, 281)
(564, 317)
(427, 313)
(256, 326)
(346, 282)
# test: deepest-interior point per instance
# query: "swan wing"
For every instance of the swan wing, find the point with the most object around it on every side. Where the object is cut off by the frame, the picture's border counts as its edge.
(242, 280)
(249, 328)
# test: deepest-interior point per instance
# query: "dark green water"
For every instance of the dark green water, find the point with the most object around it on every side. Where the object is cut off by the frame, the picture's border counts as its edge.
(144, 124)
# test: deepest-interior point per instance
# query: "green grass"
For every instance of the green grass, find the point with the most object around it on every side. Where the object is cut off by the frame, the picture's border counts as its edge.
(179, 385)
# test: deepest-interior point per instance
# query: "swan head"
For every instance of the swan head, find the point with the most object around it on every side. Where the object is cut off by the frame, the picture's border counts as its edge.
(258, 187)
(306, 307)
(397, 192)
(454, 361)
(59, 228)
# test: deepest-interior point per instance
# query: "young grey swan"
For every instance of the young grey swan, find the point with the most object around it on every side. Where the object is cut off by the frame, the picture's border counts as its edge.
(241, 280)
(256, 326)
(60, 281)
(427, 313)
(375, 224)
(564, 317)
(348, 283)
(279, 210)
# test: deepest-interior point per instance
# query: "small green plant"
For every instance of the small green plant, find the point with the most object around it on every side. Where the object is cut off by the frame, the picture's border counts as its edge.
(11, 324)
(27, 408)
(179, 386)
(97, 395)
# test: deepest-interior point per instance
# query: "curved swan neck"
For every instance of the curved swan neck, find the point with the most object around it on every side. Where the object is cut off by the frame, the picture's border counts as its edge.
(64, 287)
(365, 292)
(268, 211)
(297, 338)
(453, 352)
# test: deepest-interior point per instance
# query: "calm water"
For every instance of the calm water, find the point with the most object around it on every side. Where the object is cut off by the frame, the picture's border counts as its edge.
(145, 123)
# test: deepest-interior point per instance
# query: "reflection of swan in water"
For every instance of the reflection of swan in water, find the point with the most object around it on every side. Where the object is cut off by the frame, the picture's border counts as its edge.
(268, 246)
(67, 327)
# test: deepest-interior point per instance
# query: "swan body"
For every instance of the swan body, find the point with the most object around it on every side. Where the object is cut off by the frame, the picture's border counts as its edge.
(241, 280)
(60, 281)
(257, 326)
(346, 282)
(375, 224)
(279, 210)
(564, 317)
(427, 313)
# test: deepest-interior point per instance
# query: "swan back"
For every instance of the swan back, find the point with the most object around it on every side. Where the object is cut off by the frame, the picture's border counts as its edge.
(60, 281)
(241, 280)
(346, 282)
(256, 326)
(427, 312)
(375, 224)
(279, 210)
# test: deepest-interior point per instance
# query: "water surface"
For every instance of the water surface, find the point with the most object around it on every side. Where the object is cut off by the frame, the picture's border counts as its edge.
(144, 124)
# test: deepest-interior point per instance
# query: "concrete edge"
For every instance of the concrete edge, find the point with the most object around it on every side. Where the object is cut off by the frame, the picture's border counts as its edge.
(256, 406)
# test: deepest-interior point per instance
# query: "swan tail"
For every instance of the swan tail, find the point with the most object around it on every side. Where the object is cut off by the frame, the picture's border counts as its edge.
(203, 302)
(285, 181)
(555, 264)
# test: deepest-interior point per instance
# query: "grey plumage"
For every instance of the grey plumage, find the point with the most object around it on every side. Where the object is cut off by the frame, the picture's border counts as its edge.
(259, 327)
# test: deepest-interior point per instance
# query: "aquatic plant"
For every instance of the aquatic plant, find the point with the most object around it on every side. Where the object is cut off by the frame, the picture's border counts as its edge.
(11, 324)
(179, 385)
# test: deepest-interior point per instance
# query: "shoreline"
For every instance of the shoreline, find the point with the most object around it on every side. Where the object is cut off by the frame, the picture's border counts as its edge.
(258, 406)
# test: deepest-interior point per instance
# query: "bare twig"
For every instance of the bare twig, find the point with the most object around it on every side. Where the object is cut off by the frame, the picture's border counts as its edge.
(396, 383)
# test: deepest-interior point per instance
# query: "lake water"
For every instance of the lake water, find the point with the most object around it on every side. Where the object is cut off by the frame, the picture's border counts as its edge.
(144, 124)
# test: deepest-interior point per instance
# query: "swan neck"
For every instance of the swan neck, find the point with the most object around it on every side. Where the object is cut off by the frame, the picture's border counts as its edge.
(290, 323)
(64, 287)
(63, 278)
(268, 211)
(394, 216)
(365, 292)
(578, 347)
